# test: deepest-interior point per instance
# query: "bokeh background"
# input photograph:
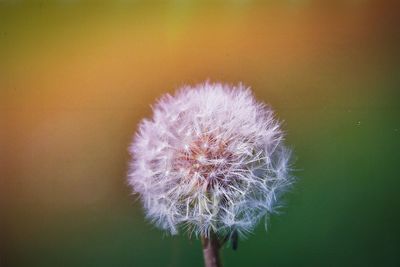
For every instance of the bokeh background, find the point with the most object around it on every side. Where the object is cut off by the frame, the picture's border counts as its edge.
(76, 77)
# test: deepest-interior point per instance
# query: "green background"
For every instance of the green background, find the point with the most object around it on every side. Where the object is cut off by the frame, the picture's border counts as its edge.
(76, 77)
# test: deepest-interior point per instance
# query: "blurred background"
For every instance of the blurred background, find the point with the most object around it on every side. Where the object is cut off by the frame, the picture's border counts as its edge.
(77, 76)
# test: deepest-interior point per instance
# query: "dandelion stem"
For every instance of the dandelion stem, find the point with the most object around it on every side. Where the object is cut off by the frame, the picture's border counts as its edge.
(211, 248)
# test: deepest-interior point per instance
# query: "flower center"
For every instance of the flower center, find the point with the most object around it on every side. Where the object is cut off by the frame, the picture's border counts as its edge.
(205, 160)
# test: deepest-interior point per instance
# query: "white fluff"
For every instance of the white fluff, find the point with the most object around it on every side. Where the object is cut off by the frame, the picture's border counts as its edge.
(212, 158)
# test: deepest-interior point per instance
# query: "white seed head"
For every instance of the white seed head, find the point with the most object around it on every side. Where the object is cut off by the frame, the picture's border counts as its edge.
(211, 159)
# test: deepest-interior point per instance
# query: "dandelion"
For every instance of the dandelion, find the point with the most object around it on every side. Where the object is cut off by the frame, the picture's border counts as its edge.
(211, 162)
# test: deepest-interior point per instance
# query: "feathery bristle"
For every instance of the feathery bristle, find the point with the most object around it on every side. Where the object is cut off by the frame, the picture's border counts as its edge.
(212, 158)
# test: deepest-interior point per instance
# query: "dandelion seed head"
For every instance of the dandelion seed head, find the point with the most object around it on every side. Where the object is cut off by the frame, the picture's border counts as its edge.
(211, 159)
